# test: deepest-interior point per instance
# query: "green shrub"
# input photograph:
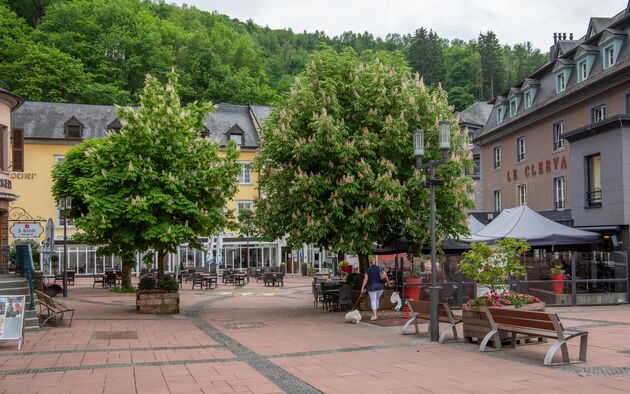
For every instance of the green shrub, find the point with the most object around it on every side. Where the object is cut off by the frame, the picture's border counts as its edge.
(147, 283)
(170, 284)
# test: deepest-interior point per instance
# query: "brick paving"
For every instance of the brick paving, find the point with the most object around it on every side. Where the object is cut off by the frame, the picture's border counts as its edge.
(258, 339)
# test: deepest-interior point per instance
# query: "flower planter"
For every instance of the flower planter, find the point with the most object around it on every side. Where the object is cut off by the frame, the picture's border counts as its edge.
(476, 325)
(157, 302)
(412, 288)
(557, 287)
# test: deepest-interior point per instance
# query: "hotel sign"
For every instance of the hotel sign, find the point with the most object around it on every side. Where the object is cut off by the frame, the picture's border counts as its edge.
(537, 169)
(27, 230)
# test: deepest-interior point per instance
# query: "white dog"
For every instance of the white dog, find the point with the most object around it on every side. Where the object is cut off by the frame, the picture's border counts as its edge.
(354, 316)
(395, 299)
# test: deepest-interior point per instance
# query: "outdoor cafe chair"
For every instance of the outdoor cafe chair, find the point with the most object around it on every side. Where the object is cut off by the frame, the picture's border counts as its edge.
(197, 279)
(345, 298)
(268, 279)
(110, 279)
(279, 279)
(228, 277)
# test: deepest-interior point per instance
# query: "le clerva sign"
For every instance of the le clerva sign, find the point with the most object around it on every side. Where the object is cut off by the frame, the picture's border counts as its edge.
(537, 169)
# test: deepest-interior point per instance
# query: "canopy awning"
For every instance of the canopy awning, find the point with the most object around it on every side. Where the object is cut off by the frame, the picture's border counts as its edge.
(525, 223)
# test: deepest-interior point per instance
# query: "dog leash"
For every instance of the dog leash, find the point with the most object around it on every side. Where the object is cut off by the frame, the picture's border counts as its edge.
(357, 302)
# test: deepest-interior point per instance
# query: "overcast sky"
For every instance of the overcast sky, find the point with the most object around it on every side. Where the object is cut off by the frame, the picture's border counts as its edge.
(512, 21)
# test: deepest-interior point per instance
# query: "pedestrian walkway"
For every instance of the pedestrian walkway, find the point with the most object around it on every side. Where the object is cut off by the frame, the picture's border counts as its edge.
(257, 339)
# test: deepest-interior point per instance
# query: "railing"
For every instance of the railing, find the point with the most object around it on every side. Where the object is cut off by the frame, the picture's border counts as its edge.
(557, 145)
(594, 198)
(24, 267)
(560, 205)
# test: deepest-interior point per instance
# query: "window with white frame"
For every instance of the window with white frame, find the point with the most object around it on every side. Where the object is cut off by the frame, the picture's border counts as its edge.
(520, 149)
(497, 201)
(528, 99)
(241, 205)
(513, 108)
(245, 177)
(560, 83)
(64, 205)
(558, 138)
(238, 138)
(582, 71)
(499, 115)
(609, 56)
(559, 193)
(599, 113)
(496, 156)
(521, 192)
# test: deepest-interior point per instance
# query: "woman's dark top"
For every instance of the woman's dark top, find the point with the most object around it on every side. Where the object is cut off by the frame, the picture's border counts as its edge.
(374, 282)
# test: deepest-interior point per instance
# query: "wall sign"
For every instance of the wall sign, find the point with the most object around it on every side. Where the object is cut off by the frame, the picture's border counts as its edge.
(6, 183)
(26, 230)
(537, 169)
(23, 175)
(12, 318)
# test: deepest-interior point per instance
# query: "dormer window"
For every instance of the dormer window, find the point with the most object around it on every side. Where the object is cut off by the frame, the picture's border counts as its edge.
(529, 89)
(584, 59)
(236, 134)
(502, 108)
(562, 72)
(610, 46)
(73, 128)
(114, 126)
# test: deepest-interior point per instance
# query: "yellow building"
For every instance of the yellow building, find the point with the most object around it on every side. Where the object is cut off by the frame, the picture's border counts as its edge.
(8, 103)
(51, 129)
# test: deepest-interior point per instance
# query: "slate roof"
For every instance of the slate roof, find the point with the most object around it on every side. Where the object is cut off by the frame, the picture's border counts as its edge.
(47, 120)
(546, 92)
(475, 115)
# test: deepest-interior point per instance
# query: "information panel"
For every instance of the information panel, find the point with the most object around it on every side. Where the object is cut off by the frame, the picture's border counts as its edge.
(12, 318)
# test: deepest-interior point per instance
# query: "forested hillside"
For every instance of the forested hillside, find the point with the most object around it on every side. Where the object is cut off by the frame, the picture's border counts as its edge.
(98, 51)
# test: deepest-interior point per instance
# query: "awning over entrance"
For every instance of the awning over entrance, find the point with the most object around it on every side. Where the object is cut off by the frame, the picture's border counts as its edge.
(525, 223)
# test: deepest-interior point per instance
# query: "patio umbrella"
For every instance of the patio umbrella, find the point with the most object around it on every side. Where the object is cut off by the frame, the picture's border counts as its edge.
(219, 259)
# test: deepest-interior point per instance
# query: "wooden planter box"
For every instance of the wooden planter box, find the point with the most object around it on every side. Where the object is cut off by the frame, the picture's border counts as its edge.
(157, 302)
(364, 305)
(476, 325)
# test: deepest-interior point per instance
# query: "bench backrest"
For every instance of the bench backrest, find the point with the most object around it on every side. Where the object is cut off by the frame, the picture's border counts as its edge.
(45, 299)
(528, 319)
(424, 308)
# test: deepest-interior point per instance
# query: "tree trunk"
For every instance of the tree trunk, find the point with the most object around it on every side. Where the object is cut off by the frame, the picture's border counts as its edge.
(127, 264)
(160, 274)
(364, 262)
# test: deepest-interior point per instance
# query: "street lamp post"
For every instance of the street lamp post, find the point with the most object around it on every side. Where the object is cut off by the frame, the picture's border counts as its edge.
(445, 145)
(64, 205)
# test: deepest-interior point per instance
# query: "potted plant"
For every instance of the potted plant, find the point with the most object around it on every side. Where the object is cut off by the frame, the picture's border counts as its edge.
(283, 268)
(493, 266)
(344, 266)
(412, 285)
(312, 271)
(153, 299)
(558, 276)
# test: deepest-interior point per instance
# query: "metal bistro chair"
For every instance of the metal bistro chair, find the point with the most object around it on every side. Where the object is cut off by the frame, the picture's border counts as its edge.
(229, 277)
(197, 279)
(345, 298)
(278, 279)
(110, 279)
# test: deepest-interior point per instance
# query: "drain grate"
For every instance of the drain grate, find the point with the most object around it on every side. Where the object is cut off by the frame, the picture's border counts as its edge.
(244, 325)
(107, 335)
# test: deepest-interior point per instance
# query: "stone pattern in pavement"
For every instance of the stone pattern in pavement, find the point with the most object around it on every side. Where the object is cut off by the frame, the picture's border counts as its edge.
(258, 339)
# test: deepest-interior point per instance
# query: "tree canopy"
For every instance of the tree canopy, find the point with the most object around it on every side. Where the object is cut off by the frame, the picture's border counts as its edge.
(336, 157)
(98, 52)
(154, 185)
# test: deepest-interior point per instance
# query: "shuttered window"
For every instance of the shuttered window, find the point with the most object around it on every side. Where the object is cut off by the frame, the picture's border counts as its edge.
(3, 132)
(18, 150)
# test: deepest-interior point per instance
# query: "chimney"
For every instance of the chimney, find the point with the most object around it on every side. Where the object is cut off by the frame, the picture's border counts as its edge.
(555, 38)
(571, 36)
(564, 36)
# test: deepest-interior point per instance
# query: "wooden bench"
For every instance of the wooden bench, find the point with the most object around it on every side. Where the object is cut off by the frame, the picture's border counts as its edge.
(421, 310)
(540, 325)
(54, 309)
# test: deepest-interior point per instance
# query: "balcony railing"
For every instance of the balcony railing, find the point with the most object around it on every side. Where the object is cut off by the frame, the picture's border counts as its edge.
(557, 145)
(594, 198)
(560, 205)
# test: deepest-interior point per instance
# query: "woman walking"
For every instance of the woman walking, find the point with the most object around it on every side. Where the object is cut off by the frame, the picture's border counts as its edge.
(375, 280)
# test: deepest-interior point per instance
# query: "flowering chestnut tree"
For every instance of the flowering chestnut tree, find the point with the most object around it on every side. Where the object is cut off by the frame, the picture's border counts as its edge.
(336, 160)
(493, 265)
(154, 185)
